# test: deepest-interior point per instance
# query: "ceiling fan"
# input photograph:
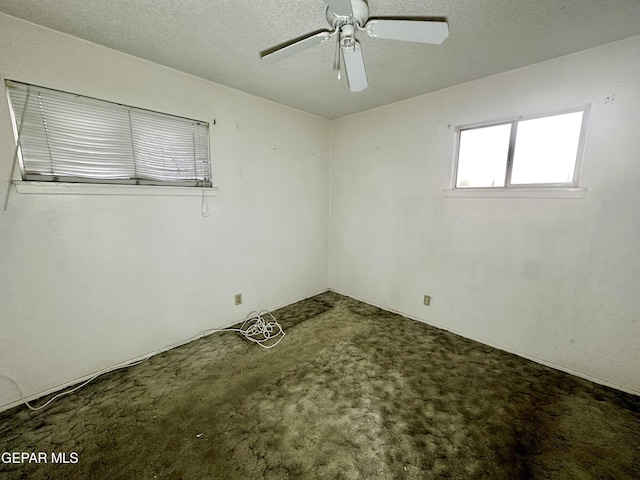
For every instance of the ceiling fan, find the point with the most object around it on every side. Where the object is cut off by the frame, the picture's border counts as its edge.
(346, 17)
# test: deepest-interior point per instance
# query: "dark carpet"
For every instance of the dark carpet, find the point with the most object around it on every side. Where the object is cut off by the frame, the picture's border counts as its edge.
(352, 392)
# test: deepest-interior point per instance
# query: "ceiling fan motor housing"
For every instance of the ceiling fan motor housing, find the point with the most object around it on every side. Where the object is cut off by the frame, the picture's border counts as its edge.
(358, 19)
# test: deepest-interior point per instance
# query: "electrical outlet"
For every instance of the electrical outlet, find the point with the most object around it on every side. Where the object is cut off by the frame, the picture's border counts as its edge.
(427, 300)
(238, 299)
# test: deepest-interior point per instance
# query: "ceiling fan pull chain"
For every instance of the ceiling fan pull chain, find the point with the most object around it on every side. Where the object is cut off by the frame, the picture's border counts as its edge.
(336, 61)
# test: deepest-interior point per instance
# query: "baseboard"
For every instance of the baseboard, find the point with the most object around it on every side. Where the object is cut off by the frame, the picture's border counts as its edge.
(77, 381)
(540, 361)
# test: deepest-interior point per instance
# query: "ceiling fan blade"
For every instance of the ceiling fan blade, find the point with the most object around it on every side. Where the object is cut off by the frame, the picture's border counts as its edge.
(354, 66)
(340, 7)
(422, 31)
(297, 45)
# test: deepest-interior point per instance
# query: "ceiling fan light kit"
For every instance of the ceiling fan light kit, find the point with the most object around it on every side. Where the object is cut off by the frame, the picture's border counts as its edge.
(346, 18)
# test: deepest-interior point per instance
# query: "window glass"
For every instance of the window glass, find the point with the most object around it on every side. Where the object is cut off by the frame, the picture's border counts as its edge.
(482, 156)
(546, 149)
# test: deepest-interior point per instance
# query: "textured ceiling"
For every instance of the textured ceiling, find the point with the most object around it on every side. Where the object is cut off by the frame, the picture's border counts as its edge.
(219, 40)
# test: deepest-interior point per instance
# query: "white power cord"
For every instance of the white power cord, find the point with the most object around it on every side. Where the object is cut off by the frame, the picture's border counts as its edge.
(254, 328)
(267, 333)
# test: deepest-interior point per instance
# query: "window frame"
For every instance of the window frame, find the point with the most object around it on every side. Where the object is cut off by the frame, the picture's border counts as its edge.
(513, 121)
(57, 184)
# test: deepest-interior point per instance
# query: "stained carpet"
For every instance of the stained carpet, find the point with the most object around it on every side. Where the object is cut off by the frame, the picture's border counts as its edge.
(352, 392)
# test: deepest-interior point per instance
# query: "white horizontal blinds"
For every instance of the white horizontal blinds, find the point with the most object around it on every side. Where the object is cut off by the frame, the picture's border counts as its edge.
(201, 152)
(74, 138)
(167, 149)
(33, 138)
(87, 138)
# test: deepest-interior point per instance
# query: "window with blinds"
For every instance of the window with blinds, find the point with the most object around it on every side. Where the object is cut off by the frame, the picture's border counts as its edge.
(62, 137)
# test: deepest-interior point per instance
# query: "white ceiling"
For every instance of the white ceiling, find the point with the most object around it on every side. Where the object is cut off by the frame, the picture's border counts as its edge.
(219, 40)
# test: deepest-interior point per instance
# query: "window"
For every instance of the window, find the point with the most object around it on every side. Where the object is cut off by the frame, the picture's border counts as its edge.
(532, 152)
(63, 137)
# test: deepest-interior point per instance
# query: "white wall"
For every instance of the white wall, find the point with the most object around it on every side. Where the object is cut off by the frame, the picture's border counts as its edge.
(557, 280)
(90, 281)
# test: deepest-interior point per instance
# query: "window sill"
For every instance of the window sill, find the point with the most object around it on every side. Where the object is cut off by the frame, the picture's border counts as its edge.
(553, 192)
(50, 188)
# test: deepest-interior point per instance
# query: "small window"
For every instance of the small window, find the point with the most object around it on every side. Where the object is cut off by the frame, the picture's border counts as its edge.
(535, 152)
(63, 137)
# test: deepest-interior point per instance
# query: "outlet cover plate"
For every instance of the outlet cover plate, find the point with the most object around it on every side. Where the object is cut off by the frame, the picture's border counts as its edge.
(427, 300)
